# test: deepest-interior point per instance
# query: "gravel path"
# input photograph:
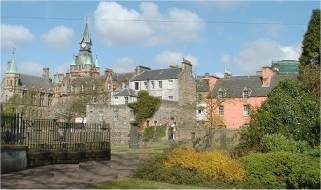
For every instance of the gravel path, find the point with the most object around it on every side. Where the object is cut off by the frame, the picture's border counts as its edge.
(72, 176)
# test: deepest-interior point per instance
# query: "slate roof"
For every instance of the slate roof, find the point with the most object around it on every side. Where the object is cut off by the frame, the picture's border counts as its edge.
(126, 92)
(234, 86)
(34, 82)
(202, 85)
(159, 74)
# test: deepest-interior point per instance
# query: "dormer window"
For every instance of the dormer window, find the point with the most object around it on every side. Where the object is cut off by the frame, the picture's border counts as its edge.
(246, 93)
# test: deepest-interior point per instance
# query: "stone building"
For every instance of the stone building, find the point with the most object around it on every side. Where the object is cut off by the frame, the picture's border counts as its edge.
(236, 96)
(175, 86)
(34, 91)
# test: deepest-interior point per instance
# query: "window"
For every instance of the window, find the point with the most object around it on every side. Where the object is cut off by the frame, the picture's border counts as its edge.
(126, 100)
(170, 97)
(153, 84)
(115, 115)
(160, 84)
(246, 110)
(41, 99)
(49, 99)
(199, 111)
(146, 84)
(136, 85)
(245, 93)
(170, 84)
(221, 110)
(220, 93)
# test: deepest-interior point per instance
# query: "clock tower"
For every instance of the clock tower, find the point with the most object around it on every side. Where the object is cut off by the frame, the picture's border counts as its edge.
(84, 63)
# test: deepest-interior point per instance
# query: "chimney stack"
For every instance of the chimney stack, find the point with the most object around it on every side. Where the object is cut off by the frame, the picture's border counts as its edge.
(187, 65)
(45, 73)
(267, 73)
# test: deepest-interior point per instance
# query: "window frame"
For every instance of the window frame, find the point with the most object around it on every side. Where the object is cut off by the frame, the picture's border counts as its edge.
(221, 110)
(136, 85)
(246, 110)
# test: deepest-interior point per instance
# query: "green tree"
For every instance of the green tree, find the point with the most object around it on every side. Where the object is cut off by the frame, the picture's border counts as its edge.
(144, 107)
(290, 110)
(310, 57)
(24, 104)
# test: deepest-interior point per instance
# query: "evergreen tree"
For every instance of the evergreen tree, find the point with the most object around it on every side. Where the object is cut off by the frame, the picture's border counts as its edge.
(310, 57)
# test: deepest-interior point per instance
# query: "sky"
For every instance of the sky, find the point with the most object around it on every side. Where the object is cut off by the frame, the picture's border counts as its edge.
(215, 35)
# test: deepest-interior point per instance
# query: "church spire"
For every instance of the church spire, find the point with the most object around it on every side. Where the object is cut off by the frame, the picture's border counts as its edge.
(86, 38)
(12, 67)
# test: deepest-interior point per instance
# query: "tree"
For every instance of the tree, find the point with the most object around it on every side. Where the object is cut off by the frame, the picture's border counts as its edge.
(24, 104)
(84, 91)
(144, 107)
(309, 72)
(213, 120)
(289, 110)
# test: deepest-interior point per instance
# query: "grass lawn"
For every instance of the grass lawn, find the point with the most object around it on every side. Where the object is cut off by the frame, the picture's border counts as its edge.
(150, 148)
(134, 183)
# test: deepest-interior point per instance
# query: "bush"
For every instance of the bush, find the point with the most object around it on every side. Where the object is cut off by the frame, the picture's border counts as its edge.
(216, 165)
(160, 169)
(149, 131)
(281, 170)
(278, 142)
(290, 110)
(154, 169)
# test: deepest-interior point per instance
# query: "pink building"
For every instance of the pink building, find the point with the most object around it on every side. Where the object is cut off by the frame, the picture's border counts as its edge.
(236, 96)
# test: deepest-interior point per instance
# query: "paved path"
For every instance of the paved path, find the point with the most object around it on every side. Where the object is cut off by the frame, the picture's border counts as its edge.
(76, 176)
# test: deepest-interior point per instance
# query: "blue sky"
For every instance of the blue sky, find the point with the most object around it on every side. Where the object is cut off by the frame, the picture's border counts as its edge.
(214, 35)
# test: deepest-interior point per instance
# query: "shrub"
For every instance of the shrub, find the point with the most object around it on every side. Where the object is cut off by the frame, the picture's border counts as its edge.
(290, 110)
(154, 169)
(278, 142)
(216, 165)
(281, 170)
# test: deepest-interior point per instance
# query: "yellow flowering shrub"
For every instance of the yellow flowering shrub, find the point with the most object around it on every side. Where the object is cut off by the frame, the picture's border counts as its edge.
(216, 165)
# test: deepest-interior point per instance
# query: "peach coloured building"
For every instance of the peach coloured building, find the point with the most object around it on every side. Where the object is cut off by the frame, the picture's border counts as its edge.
(236, 96)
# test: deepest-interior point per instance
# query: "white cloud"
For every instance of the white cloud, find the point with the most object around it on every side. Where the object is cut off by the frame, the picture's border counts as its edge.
(30, 68)
(260, 53)
(124, 64)
(111, 21)
(58, 37)
(167, 58)
(14, 35)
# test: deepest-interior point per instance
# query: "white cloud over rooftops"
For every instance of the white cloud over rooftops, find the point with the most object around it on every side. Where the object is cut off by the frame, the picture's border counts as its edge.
(258, 53)
(14, 35)
(118, 25)
(58, 37)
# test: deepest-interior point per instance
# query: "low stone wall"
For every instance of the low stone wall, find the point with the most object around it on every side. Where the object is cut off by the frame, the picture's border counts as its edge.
(13, 158)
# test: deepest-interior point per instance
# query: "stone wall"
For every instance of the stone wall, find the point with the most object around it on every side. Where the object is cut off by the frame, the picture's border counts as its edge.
(13, 158)
(186, 116)
(119, 118)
